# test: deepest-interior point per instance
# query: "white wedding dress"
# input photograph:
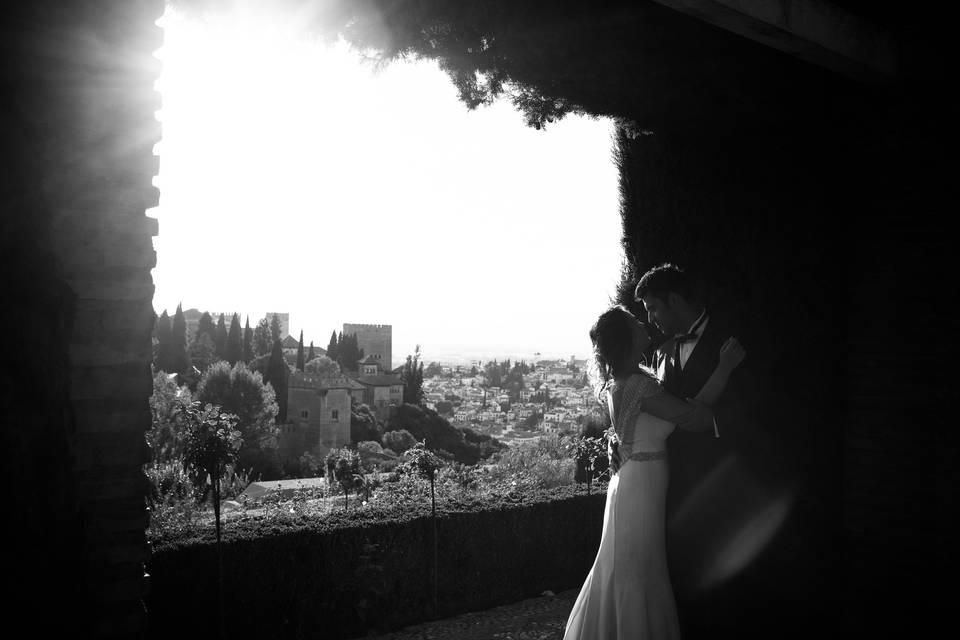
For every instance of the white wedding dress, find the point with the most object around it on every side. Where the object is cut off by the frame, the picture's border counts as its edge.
(627, 594)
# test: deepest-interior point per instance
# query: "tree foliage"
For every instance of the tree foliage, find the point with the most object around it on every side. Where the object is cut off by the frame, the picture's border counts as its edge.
(364, 425)
(344, 467)
(262, 342)
(348, 352)
(438, 435)
(275, 329)
(247, 342)
(206, 326)
(243, 393)
(277, 375)
(412, 377)
(220, 340)
(202, 351)
(165, 437)
(300, 354)
(179, 355)
(210, 443)
(399, 440)
(163, 356)
(323, 367)
(422, 462)
(234, 346)
(332, 347)
(490, 50)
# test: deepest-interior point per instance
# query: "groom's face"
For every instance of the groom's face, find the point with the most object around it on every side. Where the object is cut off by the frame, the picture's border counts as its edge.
(662, 314)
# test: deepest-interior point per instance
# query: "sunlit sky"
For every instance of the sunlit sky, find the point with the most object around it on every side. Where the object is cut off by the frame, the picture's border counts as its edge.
(298, 178)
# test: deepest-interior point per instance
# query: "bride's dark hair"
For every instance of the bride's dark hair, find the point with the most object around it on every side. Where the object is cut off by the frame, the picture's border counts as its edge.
(612, 338)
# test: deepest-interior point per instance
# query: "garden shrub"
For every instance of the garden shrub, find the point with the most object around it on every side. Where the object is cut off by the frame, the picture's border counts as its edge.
(362, 570)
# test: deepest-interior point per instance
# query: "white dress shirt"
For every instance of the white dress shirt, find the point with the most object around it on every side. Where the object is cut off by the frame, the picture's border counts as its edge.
(687, 347)
(686, 350)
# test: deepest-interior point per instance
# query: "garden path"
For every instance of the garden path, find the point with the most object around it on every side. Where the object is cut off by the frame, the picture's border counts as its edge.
(541, 618)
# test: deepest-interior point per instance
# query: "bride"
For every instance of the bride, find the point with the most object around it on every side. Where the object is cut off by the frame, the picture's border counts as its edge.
(627, 594)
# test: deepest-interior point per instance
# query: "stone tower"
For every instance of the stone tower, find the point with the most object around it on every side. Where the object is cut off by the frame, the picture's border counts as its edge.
(376, 340)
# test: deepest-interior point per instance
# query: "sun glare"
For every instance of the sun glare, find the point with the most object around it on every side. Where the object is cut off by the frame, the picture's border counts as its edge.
(296, 177)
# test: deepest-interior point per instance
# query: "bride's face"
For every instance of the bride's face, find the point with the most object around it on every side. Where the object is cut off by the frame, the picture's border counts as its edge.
(641, 340)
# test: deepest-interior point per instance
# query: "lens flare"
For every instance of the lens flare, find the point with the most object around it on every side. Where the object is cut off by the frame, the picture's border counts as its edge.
(725, 524)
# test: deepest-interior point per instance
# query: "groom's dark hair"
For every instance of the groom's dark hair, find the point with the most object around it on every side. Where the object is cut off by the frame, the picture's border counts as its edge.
(663, 280)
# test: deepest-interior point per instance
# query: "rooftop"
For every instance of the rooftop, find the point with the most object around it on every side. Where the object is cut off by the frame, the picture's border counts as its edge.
(382, 380)
(300, 380)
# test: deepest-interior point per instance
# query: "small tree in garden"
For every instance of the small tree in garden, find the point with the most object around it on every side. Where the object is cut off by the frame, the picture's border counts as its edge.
(426, 463)
(586, 451)
(211, 442)
(343, 466)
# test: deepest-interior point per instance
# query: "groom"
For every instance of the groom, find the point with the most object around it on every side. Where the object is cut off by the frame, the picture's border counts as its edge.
(684, 362)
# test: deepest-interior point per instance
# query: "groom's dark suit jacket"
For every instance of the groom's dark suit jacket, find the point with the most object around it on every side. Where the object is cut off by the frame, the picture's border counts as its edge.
(694, 455)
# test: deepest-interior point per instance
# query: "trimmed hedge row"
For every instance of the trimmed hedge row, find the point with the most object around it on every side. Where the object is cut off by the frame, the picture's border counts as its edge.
(371, 570)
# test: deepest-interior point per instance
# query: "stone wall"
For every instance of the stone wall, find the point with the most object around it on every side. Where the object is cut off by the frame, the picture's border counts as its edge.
(83, 98)
(376, 340)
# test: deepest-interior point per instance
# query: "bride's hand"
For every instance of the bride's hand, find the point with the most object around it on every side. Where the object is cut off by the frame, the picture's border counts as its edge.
(732, 353)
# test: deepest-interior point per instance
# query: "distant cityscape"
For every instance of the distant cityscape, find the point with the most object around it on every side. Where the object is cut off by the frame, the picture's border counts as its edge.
(447, 357)
(522, 396)
(553, 397)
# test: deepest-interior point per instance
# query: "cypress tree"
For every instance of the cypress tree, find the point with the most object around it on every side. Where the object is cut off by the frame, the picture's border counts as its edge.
(332, 347)
(154, 335)
(277, 372)
(300, 362)
(234, 348)
(220, 340)
(162, 361)
(310, 354)
(275, 328)
(179, 356)
(247, 342)
(412, 377)
(261, 338)
(346, 353)
(356, 354)
(206, 326)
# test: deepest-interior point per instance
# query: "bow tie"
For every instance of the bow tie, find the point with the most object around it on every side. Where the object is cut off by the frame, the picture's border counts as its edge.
(687, 337)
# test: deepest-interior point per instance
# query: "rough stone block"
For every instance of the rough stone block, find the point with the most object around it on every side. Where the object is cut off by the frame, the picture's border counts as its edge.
(120, 381)
(91, 288)
(113, 415)
(131, 254)
(100, 356)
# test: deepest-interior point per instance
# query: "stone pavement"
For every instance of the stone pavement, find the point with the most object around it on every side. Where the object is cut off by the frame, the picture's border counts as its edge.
(541, 618)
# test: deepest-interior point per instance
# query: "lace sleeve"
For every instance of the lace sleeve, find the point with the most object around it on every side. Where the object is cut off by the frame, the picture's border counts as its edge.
(635, 390)
(649, 387)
